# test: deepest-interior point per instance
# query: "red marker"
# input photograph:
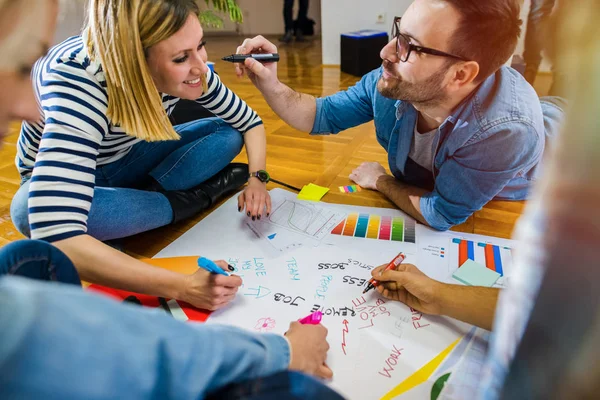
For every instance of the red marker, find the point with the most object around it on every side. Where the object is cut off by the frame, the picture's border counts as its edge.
(312, 319)
(373, 283)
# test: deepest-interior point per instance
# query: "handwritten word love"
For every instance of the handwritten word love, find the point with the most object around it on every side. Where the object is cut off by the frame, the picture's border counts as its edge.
(370, 311)
(391, 362)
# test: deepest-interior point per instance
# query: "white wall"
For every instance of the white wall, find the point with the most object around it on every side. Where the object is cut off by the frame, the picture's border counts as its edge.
(260, 17)
(265, 17)
(70, 20)
(340, 16)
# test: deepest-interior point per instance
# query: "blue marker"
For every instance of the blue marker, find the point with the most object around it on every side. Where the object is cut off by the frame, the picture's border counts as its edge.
(210, 266)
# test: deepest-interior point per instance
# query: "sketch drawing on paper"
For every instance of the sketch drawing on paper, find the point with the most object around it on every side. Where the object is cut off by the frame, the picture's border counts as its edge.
(306, 219)
(265, 324)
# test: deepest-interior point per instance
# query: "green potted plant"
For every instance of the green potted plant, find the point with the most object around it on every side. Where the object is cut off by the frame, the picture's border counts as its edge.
(209, 17)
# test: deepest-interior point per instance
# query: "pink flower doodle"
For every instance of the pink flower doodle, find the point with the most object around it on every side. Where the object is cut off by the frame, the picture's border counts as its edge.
(265, 324)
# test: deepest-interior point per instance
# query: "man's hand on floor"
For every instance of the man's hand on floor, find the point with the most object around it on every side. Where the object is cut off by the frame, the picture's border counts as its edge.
(367, 174)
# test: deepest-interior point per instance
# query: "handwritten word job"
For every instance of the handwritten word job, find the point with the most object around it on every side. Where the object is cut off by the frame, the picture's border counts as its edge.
(288, 299)
(391, 362)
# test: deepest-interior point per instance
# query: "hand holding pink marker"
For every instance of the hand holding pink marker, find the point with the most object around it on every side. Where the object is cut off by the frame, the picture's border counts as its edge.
(312, 319)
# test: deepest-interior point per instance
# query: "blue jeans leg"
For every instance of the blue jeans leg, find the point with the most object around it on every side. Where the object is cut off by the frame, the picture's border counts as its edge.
(206, 147)
(119, 209)
(37, 260)
(284, 385)
(196, 162)
(115, 212)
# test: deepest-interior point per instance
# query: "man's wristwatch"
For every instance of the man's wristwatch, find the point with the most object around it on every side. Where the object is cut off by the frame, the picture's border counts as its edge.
(261, 175)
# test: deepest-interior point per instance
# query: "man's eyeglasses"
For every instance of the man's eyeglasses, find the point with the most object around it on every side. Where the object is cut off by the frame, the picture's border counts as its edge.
(404, 47)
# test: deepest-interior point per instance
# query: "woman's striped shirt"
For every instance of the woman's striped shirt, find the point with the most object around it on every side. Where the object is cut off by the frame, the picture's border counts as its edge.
(61, 152)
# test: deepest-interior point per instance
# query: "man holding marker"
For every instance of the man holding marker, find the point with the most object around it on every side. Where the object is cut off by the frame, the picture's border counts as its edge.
(460, 128)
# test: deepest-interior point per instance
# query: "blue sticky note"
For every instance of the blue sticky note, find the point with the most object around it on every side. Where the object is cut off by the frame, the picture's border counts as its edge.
(474, 274)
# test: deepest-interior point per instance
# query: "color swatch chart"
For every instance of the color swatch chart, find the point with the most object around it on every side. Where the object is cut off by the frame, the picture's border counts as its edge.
(377, 227)
(492, 256)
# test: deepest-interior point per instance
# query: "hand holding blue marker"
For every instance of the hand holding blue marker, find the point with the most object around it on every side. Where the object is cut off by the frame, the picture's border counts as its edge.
(211, 267)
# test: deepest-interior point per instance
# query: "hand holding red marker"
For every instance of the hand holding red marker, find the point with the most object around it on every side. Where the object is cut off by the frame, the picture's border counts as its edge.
(372, 284)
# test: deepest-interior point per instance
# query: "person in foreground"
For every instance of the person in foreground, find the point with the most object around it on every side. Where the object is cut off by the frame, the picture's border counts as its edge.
(58, 342)
(460, 128)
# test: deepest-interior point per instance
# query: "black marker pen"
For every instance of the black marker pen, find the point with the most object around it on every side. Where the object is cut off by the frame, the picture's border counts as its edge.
(240, 58)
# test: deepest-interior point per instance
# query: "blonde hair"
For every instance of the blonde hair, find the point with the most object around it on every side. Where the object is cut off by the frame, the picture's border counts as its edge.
(20, 22)
(120, 33)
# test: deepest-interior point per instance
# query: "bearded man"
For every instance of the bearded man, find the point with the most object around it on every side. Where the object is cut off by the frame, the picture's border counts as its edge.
(459, 126)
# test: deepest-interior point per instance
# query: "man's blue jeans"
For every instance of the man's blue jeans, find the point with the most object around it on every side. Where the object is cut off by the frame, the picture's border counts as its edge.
(37, 260)
(120, 208)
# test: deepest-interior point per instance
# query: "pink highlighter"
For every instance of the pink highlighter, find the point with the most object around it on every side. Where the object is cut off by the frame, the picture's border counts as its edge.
(312, 319)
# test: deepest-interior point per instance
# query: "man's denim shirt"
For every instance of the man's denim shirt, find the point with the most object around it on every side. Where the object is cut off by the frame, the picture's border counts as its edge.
(490, 147)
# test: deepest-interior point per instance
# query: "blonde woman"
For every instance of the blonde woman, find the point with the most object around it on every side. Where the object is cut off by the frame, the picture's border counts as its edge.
(105, 162)
(106, 349)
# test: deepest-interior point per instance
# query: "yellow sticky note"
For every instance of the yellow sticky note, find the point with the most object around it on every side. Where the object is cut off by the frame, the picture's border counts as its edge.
(312, 192)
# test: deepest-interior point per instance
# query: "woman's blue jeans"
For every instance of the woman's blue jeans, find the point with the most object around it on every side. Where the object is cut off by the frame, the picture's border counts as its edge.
(37, 260)
(121, 208)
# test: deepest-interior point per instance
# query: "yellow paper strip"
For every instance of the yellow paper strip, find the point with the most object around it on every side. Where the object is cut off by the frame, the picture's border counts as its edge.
(421, 375)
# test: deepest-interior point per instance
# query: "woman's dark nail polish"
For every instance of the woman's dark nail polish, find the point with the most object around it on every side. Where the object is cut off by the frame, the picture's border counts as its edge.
(248, 213)
(253, 218)
(259, 216)
(231, 268)
(239, 209)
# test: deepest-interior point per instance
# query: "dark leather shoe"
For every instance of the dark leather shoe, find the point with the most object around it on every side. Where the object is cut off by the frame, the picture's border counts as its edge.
(187, 203)
(289, 35)
(229, 179)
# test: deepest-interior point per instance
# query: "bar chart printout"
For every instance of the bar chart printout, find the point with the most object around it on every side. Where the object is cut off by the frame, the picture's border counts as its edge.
(492, 256)
(377, 227)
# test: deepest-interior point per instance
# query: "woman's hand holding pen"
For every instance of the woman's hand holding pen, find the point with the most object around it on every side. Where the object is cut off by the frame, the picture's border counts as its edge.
(410, 286)
(255, 200)
(263, 76)
(210, 291)
(309, 348)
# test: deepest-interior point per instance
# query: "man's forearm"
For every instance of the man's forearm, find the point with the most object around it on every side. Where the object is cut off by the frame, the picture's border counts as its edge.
(405, 197)
(471, 304)
(296, 109)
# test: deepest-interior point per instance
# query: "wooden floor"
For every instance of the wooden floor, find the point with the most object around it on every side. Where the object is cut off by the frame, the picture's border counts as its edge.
(293, 157)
